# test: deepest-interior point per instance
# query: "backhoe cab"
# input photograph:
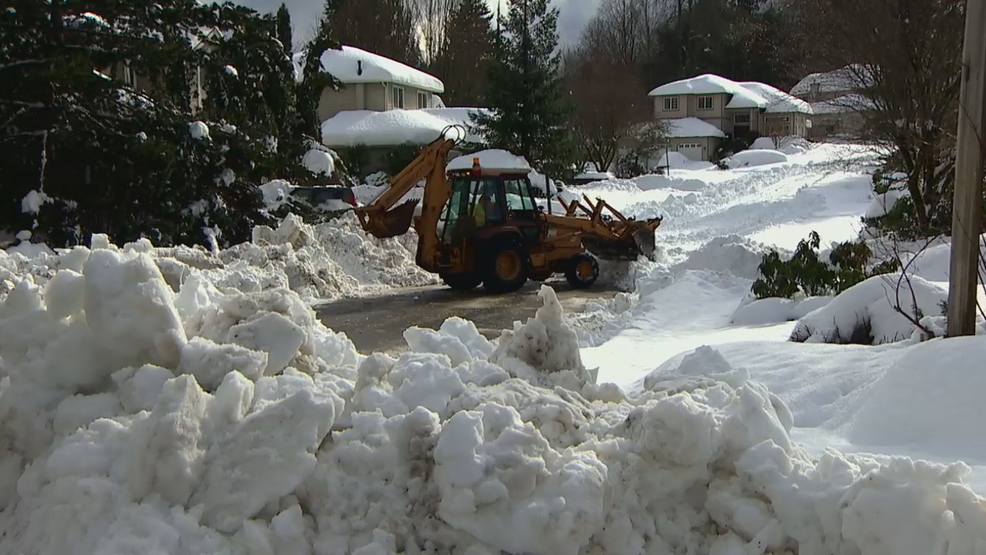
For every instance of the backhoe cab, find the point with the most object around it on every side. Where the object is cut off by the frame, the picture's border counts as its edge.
(483, 225)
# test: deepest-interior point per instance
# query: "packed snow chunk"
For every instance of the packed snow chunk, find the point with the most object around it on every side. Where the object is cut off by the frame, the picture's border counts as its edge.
(131, 310)
(763, 143)
(749, 158)
(883, 203)
(876, 311)
(456, 338)
(264, 457)
(210, 362)
(198, 130)
(545, 350)
(930, 401)
(492, 159)
(79, 411)
(140, 387)
(318, 162)
(65, 294)
(270, 333)
(230, 70)
(502, 482)
(33, 201)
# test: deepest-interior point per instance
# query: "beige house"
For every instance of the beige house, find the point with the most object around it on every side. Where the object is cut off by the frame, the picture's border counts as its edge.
(704, 110)
(839, 108)
(374, 83)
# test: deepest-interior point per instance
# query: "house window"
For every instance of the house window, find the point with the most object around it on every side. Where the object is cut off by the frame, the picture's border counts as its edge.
(399, 98)
(671, 104)
(705, 103)
(741, 119)
(422, 100)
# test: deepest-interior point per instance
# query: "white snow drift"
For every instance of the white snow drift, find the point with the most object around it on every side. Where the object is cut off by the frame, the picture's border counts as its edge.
(139, 419)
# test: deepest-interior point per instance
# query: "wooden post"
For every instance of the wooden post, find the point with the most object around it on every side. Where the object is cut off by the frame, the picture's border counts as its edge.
(967, 209)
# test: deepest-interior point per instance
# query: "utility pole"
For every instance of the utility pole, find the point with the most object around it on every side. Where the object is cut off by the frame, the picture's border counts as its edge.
(967, 205)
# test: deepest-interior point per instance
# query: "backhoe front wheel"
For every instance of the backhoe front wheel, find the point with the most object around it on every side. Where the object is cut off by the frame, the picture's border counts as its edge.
(583, 271)
(506, 268)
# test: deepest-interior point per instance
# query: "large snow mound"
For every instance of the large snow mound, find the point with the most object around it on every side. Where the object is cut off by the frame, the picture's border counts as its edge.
(759, 157)
(887, 304)
(331, 260)
(929, 400)
(138, 419)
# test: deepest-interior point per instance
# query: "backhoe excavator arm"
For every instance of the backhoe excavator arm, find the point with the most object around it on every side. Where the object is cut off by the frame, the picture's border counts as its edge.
(381, 219)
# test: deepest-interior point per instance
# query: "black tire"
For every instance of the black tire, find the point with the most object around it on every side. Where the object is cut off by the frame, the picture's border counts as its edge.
(505, 267)
(462, 282)
(582, 271)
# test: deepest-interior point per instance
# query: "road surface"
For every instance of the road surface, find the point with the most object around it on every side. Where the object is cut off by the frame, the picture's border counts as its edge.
(377, 324)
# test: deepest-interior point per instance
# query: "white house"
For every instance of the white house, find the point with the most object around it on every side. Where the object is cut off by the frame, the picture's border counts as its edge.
(702, 111)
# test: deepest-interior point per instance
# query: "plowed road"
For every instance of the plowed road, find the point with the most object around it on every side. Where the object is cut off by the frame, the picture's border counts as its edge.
(377, 324)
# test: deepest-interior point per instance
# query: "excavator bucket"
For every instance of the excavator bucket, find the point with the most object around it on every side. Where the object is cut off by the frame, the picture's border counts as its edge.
(391, 223)
(644, 239)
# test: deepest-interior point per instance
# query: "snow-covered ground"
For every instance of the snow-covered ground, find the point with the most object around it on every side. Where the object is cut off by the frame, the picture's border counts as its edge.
(718, 224)
(186, 401)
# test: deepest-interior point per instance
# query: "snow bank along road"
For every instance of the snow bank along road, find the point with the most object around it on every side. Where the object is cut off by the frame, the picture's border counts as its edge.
(377, 323)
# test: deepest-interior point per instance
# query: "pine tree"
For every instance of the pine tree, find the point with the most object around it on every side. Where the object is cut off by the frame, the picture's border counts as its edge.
(465, 58)
(525, 93)
(284, 29)
(384, 27)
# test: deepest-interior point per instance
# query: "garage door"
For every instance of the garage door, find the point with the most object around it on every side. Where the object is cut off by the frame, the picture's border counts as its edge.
(692, 150)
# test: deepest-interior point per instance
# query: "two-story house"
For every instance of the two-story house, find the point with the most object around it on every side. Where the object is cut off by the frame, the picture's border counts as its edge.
(839, 108)
(702, 111)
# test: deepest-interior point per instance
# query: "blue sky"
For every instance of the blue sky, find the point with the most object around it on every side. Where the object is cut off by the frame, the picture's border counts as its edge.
(574, 14)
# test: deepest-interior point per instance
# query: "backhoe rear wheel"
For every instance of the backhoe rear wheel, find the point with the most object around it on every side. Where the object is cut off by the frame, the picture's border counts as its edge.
(506, 267)
(461, 282)
(583, 271)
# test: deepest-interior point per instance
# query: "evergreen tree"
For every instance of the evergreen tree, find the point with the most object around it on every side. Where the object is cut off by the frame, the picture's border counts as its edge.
(465, 57)
(284, 29)
(384, 27)
(525, 93)
(98, 119)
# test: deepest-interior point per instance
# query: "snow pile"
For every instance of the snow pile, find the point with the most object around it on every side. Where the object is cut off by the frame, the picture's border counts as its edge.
(137, 419)
(737, 255)
(871, 312)
(652, 182)
(929, 400)
(33, 201)
(883, 203)
(763, 143)
(331, 260)
(762, 157)
(774, 310)
(318, 162)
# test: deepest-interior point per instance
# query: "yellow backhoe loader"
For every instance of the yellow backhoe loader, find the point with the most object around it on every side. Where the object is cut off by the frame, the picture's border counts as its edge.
(483, 225)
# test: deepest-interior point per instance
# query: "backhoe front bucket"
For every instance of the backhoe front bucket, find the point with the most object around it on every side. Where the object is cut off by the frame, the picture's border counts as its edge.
(391, 223)
(644, 238)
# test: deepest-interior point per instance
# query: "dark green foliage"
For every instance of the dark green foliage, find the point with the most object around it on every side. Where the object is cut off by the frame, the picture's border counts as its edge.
(356, 158)
(465, 57)
(806, 273)
(96, 114)
(284, 29)
(397, 158)
(733, 144)
(384, 27)
(528, 111)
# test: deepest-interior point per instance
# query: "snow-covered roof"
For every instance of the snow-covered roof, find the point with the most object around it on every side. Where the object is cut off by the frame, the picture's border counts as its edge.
(844, 79)
(843, 104)
(493, 159)
(393, 127)
(683, 128)
(713, 84)
(778, 101)
(353, 65)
